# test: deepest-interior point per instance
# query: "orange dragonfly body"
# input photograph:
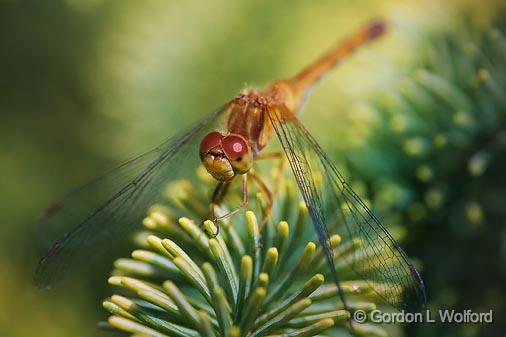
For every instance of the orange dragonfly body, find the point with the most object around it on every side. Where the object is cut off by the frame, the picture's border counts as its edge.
(249, 126)
(248, 111)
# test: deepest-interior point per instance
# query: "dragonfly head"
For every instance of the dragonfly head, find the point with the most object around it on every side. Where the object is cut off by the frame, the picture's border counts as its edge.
(225, 156)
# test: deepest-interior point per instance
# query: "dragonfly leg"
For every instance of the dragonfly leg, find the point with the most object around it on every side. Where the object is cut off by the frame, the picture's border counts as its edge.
(215, 202)
(218, 195)
(268, 193)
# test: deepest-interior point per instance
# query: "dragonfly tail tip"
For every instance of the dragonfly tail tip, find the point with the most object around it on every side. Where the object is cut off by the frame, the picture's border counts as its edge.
(376, 28)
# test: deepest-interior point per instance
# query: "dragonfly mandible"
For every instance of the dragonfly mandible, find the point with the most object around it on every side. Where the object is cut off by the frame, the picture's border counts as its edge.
(110, 207)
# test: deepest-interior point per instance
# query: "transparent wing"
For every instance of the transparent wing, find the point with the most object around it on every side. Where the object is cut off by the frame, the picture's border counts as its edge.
(92, 219)
(335, 207)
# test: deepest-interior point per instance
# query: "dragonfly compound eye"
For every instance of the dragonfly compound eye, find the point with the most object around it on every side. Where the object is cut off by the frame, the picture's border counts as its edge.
(238, 151)
(210, 141)
(234, 146)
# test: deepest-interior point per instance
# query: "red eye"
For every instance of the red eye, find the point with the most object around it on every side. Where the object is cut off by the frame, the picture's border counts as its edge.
(211, 140)
(234, 146)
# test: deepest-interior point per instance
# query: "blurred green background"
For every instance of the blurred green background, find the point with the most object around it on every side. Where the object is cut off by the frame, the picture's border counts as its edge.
(417, 119)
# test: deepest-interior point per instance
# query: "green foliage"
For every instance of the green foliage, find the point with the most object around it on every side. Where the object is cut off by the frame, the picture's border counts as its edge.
(186, 281)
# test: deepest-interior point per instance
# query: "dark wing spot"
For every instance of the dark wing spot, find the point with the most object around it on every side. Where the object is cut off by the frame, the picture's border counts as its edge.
(53, 208)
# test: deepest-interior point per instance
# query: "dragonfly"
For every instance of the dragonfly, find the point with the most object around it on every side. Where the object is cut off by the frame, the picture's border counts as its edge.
(228, 142)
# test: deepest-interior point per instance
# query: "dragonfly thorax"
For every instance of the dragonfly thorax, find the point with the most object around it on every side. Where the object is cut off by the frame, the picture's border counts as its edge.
(225, 156)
